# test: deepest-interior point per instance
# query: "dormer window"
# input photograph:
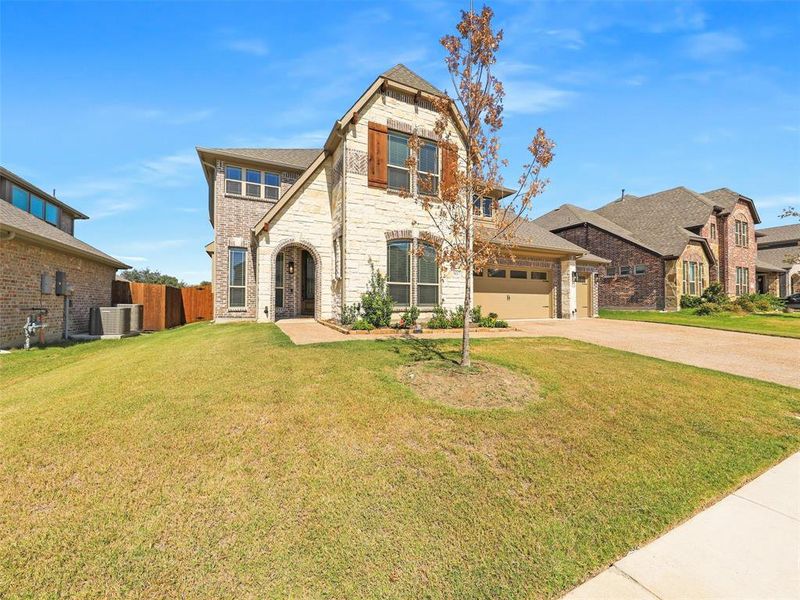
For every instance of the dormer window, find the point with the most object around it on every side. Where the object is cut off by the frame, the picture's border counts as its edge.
(482, 207)
(38, 207)
(263, 185)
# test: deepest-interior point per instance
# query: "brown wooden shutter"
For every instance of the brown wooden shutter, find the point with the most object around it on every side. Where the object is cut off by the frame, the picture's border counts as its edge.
(449, 168)
(377, 147)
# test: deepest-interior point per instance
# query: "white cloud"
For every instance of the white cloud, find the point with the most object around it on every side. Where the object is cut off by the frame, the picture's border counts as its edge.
(713, 45)
(526, 97)
(129, 112)
(571, 39)
(136, 259)
(252, 46)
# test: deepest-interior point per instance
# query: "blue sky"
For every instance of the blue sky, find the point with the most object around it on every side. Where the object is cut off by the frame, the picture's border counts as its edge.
(106, 101)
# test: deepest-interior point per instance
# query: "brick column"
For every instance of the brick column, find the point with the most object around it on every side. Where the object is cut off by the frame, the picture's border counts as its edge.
(569, 300)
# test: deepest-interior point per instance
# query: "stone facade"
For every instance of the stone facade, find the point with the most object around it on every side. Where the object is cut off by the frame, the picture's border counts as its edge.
(21, 265)
(622, 291)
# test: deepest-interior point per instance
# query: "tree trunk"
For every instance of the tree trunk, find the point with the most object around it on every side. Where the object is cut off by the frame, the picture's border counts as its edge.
(465, 360)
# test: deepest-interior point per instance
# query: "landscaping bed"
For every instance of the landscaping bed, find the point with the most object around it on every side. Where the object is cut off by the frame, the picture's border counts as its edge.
(411, 331)
(325, 473)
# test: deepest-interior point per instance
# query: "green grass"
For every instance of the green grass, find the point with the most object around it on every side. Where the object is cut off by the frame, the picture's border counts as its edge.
(779, 324)
(222, 461)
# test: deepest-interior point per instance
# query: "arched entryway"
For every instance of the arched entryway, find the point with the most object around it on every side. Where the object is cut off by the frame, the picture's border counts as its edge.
(296, 278)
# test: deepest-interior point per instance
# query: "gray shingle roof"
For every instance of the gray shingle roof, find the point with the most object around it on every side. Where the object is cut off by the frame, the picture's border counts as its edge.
(568, 215)
(532, 235)
(778, 256)
(402, 74)
(26, 225)
(293, 158)
(783, 233)
(661, 219)
(727, 199)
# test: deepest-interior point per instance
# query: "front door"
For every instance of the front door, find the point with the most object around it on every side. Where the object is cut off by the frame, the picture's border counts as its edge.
(761, 285)
(309, 277)
(583, 294)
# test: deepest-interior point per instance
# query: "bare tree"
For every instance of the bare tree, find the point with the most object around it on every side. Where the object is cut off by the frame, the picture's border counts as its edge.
(468, 240)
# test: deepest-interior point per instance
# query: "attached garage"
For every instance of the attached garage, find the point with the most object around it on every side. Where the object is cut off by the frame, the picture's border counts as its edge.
(515, 292)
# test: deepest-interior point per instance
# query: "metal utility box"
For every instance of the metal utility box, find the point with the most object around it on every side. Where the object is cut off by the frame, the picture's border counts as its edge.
(47, 284)
(61, 283)
(137, 315)
(109, 320)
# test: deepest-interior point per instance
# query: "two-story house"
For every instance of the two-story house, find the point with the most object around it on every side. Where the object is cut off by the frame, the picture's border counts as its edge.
(665, 245)
(297, 232)
(43, 266)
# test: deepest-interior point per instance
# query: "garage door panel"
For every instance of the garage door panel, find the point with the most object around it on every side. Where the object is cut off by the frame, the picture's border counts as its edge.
(514, 298)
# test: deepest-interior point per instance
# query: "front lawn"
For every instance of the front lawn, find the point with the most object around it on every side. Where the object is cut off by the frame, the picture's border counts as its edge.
(780, 324)
(222, 461)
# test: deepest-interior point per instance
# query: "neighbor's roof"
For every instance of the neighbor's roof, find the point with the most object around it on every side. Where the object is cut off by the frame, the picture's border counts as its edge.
(593, 258)
(531, 235)
(402, 74)
(778, 256)
(783, 233)
(662, 219)
(292, 158)
(25, 225)
(763, 265)
(569, 215)
(76, 214)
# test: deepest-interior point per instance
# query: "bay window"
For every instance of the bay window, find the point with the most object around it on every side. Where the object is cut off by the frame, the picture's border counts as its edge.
(693, 278)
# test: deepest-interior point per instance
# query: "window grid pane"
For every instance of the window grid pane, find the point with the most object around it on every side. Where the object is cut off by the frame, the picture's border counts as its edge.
(19, 198)
(37, 206)
(400, 293)
(398, 178)
(51, 213)
(398, 149)
(427, 295)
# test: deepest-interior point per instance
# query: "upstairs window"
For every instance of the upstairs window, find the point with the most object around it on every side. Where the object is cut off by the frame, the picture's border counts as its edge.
(482, 207)
(639, 269)
(427, 276)
(30, 203)
(399, 178)
(51, 213)
(428, 171)
(741, 233)
(626, 270)
(19, 198)
(399, 272)
(713, 231)
(37, 207)
(252, 183)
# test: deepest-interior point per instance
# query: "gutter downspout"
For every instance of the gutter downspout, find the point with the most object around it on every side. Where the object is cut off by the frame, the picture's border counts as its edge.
(343, 253)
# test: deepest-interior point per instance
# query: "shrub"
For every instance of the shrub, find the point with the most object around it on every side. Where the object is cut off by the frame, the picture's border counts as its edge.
(457, 318)
(709, 308)
(745, 303)
(361, 324)
(475, 315)
(715, 294)
(351, 313)
(689, 301)
(409, 317)
(376, 303)
(501, 324)
(439, 319)
(758, 302)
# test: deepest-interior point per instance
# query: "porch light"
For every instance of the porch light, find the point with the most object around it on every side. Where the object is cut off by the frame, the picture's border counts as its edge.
(291, 267)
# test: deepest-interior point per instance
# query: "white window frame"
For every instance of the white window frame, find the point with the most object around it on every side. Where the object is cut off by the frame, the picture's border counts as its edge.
(280, 259)
(410, 283)
(231, 250)
(415, 276)
(245, 185)
(741, 233)
(742, 281)
(390, 165)
(428, 174)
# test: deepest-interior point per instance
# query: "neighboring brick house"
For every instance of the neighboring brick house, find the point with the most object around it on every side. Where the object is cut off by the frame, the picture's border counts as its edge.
(37, 241)
(297, 232)
(665, 245)
(778, 260)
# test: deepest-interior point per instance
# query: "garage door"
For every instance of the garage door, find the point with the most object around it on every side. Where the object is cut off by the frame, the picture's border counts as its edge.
(584, 295)
(514, 293)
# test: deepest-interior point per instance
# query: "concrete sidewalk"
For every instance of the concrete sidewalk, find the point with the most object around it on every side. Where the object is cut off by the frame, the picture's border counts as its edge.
(745, 546)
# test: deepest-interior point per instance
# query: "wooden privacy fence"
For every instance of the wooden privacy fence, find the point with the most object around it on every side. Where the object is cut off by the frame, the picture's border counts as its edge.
(165, 306)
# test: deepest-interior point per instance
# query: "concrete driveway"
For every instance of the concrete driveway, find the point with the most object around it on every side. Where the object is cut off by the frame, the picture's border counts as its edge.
(759, 356)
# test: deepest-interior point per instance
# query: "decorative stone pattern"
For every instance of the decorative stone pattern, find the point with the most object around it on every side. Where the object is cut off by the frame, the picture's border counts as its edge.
(357, 162)
(569, 300)
(21, 266)
(693, 253)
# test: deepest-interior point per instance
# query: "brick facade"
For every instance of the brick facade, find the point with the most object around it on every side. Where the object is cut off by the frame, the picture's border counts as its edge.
(21, 265)
(622, 291)
(731, 255)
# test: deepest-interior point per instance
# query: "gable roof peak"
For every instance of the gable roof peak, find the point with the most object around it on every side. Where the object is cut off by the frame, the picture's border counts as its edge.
(402, 74)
